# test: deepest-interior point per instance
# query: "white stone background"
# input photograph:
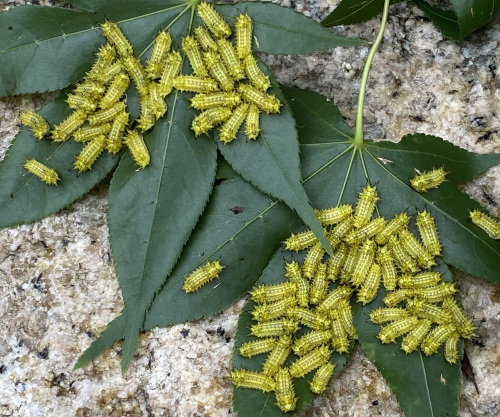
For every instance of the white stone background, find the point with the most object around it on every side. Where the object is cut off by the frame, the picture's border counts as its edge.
(58, 289)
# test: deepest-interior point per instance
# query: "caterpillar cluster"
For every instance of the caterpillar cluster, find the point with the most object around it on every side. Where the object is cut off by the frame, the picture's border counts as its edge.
(99, 119)
(231, 89)
(367, 252)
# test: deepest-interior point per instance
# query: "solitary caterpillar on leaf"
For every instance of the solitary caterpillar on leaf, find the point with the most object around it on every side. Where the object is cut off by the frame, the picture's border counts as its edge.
(202, 275)
(46, 174)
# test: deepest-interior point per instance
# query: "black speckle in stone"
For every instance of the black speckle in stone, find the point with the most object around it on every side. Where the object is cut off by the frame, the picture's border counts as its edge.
(44, 354)
(3, 369)
(185, 332)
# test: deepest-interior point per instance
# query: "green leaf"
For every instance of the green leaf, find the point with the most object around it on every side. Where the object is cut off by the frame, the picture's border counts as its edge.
(248, 402)
(48, 48)
(473, 14)
(445, 20)
(23, 197)
(87, 5)
(152, 212)
(240, 226)
(271, 163)
(351, 12)
(423, 385)
(281, 30)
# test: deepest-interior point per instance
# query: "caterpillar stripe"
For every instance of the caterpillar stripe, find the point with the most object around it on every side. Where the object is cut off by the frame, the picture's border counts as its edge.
(140, 153)
(401, 256)
(322, 378)
(427, 180)
(252, 127)
(278, 355)
(230, 128)
(136, 71)
(422, 280)
(413, 339)
(195, 84)
(147, 117)
(36, 123)
(108, 114)
(87, 133)
(450, 348)
(115, 137)
(334, 215)
(230, 59)
(204, 39)
(90, 153)
(64, 130)
(388, 269)
(255, 75)
(44, 173)
(285, 391)
(300, 241)
(344, 315)
(336, 262)
(340, 342)
(428, 232)
(436, 338)
(368, 290)
(435, 294)
(385, 314)
(309, 362)
(193, 53)
(415, 249)
(86, 103)
(312, 319)
(105, 57)
(319, 285)
(155, 63)
(253, 380)
(364, 262)
(271, 293)
(267, 312)
(90, 88)
(428, 311)
(312, 260)
(310, 341)
(173, 63)
(342, 292)
(366, 204)
(399, 222)
(462, 323)
(117, 38)
(243, 27)
(202, 275)
(393, 298)
(257, 347)
(212, 100)
(294, 272)
(156, 100)
(115, 90)
(274, 328)
(208, 119)
(365, 232)
(213, 20)
(485, 222)
(349, 264)
(339, 231)
(266, 102)
(392, 331)
(109, 72)
(218, 70)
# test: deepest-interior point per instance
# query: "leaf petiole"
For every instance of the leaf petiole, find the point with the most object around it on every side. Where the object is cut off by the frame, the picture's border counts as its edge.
(358, 137)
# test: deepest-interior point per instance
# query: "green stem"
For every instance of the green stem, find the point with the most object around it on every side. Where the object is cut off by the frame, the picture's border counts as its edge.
(358, 137)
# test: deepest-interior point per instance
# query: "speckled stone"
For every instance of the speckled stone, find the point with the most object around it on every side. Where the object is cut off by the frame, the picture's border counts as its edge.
(59, 290)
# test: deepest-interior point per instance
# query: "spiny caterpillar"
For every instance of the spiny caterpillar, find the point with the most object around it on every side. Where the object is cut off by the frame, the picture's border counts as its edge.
(202, 276)
(36, 123)
(243, 35)
(137, 147)
(419, 311)
(423, 182)
(213, 20)
(44, 173)
(90, 153)
(485, 222)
